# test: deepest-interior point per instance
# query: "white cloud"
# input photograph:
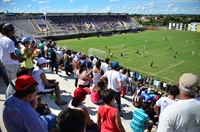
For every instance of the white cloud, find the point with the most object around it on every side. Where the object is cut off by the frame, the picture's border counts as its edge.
(16, 9)
(43, 2)
(171, 5)
(188, 1)
(113, 0)
(7, 1)
(28, 6)
(103, 10)
(44, 9)
(13, 3)
(33, 0)
(83, 9)
(149, 5)
(123, 9)
(2, 9)
(175, 9)
(71, 0)
(107, 9)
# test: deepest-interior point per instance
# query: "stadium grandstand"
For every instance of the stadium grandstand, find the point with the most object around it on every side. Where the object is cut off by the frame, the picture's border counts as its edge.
(71, 24)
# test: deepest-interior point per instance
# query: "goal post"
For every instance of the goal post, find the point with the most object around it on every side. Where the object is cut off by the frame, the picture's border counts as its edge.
(98, 53)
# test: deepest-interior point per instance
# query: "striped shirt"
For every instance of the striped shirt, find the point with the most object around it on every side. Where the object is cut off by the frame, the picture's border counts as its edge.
(140, 118)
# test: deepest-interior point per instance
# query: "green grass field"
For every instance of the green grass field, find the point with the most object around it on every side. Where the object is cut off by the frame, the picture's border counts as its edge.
(165, 66)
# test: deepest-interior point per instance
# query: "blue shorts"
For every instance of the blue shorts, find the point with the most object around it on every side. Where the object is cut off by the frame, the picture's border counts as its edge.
(50, 119)
(3, 70)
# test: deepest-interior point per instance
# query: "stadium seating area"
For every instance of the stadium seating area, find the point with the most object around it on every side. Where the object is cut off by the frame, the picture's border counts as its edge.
(72, 24)
(91, 23)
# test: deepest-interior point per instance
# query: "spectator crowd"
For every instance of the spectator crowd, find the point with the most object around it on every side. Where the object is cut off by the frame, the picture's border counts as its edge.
(22, 66)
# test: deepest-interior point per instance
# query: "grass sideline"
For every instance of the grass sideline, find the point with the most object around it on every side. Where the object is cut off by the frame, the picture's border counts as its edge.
(165, 66)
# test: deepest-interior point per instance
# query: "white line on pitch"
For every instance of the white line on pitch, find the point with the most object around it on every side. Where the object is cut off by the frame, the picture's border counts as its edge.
(152, 74)
(169, 67)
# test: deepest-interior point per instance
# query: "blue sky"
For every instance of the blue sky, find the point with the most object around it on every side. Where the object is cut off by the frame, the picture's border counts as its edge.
(102, 6)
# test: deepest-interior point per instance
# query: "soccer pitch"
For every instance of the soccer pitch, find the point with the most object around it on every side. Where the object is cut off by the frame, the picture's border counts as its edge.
(156, 49)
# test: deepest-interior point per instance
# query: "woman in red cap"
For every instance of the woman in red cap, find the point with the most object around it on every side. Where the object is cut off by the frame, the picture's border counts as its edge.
(77, 103)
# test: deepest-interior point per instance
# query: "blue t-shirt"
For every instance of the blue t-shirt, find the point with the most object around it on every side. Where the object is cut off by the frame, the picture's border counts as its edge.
(19, 116)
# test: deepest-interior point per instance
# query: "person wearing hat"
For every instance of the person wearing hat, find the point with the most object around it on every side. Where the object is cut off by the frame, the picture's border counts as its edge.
(45, 85)
(7, 51)
(114, 82)
(77, 103)
(18, 114)
(184, 115)
(27, 52)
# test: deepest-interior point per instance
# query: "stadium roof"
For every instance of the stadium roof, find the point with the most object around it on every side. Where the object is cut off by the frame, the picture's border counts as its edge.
(84, 14)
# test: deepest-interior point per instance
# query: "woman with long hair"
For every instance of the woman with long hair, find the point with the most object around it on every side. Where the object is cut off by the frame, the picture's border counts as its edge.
(83, 80)
(77, 103)
(96, 93)
(97, 72)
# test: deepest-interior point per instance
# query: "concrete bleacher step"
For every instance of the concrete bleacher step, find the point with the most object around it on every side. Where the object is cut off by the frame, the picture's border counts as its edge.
(67, 88)
(55, 109)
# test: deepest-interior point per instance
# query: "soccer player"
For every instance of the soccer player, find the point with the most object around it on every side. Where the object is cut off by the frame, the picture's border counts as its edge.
(151, 64)
(175, 55)
(142, 53)
(193, 52)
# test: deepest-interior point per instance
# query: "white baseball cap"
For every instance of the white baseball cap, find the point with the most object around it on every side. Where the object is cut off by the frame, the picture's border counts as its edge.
(42, 60)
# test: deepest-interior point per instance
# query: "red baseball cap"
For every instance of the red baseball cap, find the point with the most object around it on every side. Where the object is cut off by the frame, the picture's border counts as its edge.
(24, 82)
(80, 93)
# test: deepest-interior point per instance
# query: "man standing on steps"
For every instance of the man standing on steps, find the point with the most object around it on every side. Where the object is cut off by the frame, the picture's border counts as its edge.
(114, 82)
(7, 52)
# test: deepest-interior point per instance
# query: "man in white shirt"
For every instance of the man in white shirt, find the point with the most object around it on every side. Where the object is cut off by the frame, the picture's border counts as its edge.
(184, 115)
(7, 52)
(114, 82)
(163, 102)
(104, 65)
